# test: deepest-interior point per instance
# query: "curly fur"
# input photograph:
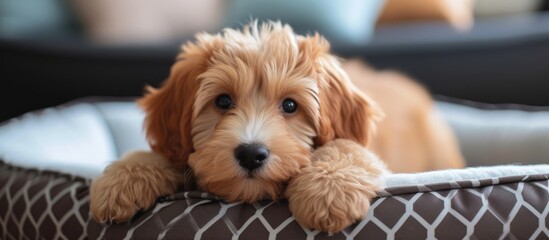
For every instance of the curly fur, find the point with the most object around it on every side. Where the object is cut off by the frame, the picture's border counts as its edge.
(336, 188)
(131, 184)
(317, 155)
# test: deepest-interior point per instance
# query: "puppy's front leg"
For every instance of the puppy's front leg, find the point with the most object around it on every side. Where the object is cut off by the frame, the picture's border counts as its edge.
(131, 184)
(335, 190)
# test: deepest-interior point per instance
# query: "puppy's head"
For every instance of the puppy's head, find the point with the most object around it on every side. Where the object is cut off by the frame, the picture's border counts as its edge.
(244, 109)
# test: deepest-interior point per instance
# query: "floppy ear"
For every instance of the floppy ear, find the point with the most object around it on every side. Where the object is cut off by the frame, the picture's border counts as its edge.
(169, 108)
(345, 112)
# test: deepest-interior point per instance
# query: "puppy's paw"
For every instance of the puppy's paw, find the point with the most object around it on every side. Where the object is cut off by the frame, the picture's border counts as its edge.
(335, 190)
(330, 201)
(129, 185)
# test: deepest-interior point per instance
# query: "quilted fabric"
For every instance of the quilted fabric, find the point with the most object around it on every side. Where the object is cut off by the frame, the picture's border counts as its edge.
(49, 205)
(42, 205)
(500, 208)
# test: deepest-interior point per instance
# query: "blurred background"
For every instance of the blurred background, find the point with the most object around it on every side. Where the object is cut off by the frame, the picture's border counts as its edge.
(54, 51)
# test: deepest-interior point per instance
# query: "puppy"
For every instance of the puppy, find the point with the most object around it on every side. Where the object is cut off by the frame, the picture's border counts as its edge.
(264, 113)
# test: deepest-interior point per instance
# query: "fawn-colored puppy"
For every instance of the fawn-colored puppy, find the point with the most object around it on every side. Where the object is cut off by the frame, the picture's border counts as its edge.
(265, 113)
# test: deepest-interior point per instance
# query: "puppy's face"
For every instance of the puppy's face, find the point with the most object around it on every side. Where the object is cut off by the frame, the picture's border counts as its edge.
(254, 120)
(245, 109)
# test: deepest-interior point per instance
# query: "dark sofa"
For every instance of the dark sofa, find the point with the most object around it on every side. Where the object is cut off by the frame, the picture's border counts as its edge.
(501, 60)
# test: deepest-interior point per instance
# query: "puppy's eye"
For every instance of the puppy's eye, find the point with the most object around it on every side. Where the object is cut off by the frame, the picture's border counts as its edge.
(223, 102)
(289, 105)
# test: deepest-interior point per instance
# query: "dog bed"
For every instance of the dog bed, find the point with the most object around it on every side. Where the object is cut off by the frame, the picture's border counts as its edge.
(48, 158)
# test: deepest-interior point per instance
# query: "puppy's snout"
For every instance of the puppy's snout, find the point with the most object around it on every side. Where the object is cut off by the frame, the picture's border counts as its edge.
(251, 156)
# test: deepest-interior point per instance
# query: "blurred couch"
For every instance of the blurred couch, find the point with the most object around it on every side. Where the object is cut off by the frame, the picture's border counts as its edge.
(499, 60)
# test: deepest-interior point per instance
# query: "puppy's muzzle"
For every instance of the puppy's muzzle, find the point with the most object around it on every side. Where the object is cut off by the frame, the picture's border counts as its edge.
(251, 156)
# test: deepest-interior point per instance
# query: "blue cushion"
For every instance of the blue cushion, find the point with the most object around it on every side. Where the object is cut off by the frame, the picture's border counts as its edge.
(27, 18)
(344, 21)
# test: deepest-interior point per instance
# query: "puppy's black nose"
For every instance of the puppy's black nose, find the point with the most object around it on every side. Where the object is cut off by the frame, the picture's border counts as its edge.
(251, 156)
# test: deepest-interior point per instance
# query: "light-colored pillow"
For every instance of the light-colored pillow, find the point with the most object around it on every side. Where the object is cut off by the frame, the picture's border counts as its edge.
(146, 22)
(498, 136)
(458, 13)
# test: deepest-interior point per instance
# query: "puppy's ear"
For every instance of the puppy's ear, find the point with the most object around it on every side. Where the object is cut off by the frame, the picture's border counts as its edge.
(345, 112)
(169, 109)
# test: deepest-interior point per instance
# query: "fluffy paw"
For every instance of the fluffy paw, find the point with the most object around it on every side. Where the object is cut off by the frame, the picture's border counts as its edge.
(130, 185)
(335, 190)
(329, 201)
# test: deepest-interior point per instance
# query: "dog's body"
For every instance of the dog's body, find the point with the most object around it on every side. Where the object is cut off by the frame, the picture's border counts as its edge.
(411, 137)
(265, 113)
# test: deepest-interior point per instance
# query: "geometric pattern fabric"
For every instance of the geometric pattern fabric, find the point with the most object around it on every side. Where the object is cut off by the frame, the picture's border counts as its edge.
(48, 205)
(505, 208)
(42, 205)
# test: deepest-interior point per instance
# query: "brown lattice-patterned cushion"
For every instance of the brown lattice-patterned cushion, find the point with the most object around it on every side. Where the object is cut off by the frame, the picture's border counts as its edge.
(48, 205)
(499, 208)
(42, 204)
